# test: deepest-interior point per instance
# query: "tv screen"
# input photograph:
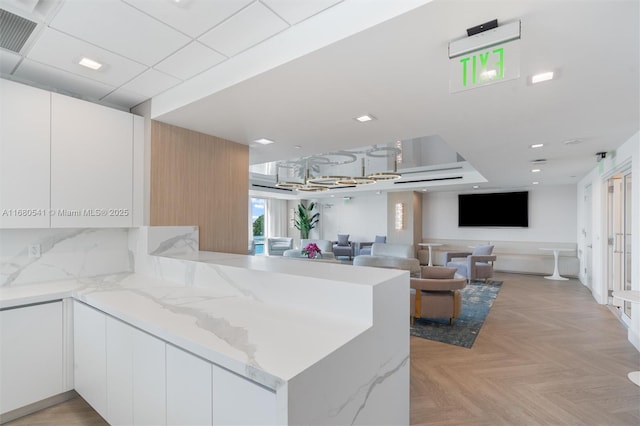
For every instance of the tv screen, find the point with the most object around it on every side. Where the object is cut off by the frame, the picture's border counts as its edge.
(504, 209)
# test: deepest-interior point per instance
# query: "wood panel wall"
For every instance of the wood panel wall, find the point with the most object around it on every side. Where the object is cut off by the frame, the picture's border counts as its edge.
(202, 180)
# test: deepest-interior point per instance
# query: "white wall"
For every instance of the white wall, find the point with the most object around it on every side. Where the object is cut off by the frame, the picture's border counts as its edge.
(362, 217)
(552, 218)
(628, 153)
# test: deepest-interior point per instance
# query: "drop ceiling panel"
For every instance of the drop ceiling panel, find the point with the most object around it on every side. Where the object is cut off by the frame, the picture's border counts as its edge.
(150, 83)
(57, 80)
(62, 51)
(189, 61)
(191, 17)
(294, 11)
(248, 27)
(8, 61)
(120, 28)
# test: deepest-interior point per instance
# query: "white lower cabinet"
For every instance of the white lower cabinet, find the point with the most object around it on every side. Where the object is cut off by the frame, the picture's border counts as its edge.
(189, 389)
(149, 380)
(90, 356)
(232, 397)
(31, 354)
(132, 378)
(119, 372)
(135, 376)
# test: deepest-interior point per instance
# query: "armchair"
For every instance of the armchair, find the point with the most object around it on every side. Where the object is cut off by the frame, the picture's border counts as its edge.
(436, 294)
(365, 247)
(473, 265)
(343, 247)
(276, 246)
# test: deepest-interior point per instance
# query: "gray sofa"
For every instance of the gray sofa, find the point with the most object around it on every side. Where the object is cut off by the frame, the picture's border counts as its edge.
(276, 246)
(396, 256)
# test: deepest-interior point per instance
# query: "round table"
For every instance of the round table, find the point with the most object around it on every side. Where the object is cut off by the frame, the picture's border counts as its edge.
(430, 245)
(632, 296)
(556, 274)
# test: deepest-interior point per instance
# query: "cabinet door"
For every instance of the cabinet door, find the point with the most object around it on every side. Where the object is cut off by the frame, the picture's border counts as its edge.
(25, 121)
(90, 356)
(91, 164)
(31, 355)
(149, 380)
(119, 372)
(232, 397)
(188, 389)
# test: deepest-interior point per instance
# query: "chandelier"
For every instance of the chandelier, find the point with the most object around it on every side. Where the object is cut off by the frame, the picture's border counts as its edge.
(314, 173)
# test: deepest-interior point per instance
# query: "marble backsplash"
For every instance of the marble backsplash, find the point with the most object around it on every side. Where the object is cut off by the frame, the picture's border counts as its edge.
(64, 253)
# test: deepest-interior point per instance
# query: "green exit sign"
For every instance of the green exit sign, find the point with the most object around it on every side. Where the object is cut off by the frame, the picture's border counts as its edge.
(485, 67)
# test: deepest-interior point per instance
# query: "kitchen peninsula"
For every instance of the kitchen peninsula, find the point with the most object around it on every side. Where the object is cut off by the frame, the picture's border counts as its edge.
(199, 337)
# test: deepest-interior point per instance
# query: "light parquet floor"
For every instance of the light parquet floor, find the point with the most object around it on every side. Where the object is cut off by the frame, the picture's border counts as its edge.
(547, 354)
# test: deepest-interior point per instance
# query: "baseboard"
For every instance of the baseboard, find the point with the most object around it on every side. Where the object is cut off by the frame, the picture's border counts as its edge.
(37, 406)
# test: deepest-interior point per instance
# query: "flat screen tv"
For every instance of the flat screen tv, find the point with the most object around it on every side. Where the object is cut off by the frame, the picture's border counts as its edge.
(503, 209)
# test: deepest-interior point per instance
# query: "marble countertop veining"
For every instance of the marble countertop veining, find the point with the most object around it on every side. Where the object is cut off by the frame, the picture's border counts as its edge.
(267, 343)
(294, 266)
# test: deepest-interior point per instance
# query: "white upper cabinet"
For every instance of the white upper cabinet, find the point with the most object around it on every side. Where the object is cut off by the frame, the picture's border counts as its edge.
(91, 164)
(25, 119)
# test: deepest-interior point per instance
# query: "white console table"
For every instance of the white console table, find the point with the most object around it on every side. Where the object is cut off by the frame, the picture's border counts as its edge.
(632, 296)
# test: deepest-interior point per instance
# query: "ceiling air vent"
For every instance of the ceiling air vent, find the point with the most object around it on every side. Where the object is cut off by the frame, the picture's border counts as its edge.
(14, 31)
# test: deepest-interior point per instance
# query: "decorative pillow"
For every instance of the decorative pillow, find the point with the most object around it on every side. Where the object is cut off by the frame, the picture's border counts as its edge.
(343, 239)
(482, 250)
(381, 239)
(438, 272)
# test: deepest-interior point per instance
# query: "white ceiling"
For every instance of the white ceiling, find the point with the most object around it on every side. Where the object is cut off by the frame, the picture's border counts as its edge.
(298, 71)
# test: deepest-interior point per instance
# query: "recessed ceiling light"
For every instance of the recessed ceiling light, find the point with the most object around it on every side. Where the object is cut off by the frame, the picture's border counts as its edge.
(534, 183)
(536, 145)
(572, 142)
(90, 63)
(424, 189)
(297, 146)
(475, 187)
(539, 161)
(544, 76)
(535, 170)
(264, 141)
(365, 118)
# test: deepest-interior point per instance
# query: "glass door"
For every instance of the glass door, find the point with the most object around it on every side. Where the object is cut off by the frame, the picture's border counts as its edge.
(627, 239)
(619, 236)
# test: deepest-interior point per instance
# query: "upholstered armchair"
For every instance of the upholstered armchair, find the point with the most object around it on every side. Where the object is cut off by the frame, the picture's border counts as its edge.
(436, 294)
(276, 246)
(343, 247)
(472, 265)
(365, 247)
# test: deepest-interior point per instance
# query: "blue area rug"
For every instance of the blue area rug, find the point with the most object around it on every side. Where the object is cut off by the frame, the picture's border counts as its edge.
(477, 299)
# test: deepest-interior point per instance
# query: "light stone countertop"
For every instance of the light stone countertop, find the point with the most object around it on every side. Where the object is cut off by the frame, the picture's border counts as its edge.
(266, 343)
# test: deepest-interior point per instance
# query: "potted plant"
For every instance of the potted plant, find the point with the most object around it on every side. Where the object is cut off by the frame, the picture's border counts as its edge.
(305, 219)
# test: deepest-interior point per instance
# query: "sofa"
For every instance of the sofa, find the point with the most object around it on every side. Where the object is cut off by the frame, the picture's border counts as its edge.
(436, 293)
(276, 246)
(396, 256)
(325, 247)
